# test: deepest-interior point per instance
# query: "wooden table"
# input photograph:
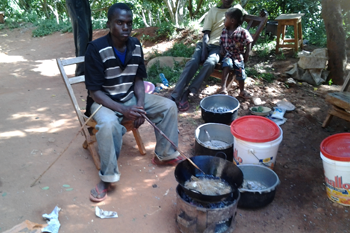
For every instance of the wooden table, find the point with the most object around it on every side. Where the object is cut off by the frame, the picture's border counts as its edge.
(293, 20)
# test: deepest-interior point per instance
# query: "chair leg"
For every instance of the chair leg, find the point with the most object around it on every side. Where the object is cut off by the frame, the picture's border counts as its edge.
(139, 141)
(95, 156)
(231, 79)
(85, 145)
(327, 120)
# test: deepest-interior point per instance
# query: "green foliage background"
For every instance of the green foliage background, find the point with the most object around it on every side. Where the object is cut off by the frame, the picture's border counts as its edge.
(41, 13)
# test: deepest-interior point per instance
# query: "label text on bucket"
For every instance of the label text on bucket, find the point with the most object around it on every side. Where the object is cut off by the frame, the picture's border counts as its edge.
(337, 183)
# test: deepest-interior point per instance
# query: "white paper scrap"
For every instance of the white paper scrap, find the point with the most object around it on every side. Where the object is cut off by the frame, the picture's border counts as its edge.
(105, 214)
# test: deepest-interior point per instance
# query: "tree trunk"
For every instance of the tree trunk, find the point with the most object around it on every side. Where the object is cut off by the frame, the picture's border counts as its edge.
(144, 19)
(332, 16)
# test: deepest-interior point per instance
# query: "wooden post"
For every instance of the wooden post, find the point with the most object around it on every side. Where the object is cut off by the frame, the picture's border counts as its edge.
(2, 17)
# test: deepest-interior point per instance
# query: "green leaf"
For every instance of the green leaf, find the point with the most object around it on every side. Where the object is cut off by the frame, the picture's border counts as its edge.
(45, 188)
(70, 189)
(4, 194)
(66, 186)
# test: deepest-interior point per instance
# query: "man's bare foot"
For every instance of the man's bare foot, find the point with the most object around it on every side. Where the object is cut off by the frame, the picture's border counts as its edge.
(99, 193)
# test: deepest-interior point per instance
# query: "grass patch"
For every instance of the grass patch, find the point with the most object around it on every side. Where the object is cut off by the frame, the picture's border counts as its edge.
(49, 26)
(178, 50)
(171, 74)
(264, 47)
(266, 76)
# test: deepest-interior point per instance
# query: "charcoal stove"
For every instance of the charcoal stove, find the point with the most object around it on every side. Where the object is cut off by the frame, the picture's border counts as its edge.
(195, 216)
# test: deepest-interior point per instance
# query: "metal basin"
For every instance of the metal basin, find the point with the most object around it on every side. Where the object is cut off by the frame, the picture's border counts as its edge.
(211, 107)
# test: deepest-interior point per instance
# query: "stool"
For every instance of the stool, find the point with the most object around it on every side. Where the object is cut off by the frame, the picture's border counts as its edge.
(293, 20)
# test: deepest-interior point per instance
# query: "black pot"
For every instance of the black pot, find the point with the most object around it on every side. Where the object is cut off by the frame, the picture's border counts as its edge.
(216, 131)
(210, 165)
(252, 199)
(210, 104)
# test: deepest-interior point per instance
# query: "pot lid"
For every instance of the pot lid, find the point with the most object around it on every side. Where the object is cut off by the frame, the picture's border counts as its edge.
(337, 147)
(255, 129)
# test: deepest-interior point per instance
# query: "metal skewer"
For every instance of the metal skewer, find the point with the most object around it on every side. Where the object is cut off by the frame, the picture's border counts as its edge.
(149, 121)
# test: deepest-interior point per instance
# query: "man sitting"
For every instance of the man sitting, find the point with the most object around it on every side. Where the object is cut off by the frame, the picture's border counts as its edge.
(114, 72)
(207, 51)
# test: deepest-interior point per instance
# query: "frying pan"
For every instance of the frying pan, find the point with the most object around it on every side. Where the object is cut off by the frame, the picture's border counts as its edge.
(211, 166)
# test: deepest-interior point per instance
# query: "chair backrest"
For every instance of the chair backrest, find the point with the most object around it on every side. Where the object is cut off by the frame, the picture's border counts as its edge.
(258, 22)
(69, 81)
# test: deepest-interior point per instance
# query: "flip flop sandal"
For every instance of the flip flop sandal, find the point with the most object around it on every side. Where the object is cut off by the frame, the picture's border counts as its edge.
(245, 95)
(224, 92)
(95, 199)
(183, 107)
(172, 162)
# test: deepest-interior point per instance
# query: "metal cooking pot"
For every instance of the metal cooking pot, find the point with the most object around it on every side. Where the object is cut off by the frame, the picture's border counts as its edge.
(210, 165)
(216, 131)
(211, 104)
(258, 198)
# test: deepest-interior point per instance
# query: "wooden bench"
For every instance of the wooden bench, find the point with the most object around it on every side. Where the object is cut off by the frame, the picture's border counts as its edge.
(340, 102)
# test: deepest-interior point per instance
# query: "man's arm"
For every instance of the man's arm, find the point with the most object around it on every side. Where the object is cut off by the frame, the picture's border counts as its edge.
(130, 113)
(247, 51)
(139, 91)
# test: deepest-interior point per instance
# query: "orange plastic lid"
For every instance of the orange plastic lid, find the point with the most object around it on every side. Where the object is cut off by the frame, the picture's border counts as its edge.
(337, 147)
(255, 129)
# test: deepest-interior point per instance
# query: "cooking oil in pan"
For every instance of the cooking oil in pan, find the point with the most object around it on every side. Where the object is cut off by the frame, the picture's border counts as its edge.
(208, 186)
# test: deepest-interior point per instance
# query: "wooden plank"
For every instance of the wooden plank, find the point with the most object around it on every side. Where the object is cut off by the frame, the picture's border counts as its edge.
(339, 99)
(77, 79)
(346, 83)
(340, 113)
(290, 16)
(72, 61)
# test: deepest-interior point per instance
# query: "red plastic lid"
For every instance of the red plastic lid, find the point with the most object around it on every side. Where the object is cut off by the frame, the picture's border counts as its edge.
(337, 147)
(255, 129)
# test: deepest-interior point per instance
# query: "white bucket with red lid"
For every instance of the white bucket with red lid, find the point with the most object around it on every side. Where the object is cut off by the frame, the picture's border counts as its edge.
(256, 140)
(335, 154)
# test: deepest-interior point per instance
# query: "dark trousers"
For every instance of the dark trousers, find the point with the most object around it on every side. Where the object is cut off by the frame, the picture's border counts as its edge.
(80, 14)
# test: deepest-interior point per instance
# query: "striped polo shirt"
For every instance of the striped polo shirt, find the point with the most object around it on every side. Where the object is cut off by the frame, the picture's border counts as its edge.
(104, 71)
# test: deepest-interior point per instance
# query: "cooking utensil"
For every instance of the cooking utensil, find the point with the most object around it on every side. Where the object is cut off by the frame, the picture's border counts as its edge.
(219, 109)
(251, 198)
(210, 165)
(208, 137)
(149, 121)
(220, 132)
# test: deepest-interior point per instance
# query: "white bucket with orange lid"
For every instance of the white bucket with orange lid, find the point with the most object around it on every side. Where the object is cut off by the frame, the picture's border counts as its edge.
(256, 140)
(335, 154)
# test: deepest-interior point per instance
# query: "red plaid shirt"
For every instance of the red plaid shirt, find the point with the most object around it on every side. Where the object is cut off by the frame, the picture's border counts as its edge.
(234, 43)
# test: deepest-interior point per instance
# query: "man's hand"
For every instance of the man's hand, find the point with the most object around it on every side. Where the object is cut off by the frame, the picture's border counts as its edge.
(132, 113)
(138, 122)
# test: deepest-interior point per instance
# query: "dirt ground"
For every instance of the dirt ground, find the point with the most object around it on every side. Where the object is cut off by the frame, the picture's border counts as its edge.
(38, 122)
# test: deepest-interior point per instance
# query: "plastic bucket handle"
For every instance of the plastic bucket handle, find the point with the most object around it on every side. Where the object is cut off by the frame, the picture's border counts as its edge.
(252, 151)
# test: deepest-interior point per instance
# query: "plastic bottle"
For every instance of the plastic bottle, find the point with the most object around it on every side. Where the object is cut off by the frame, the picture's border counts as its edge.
(164, 80)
